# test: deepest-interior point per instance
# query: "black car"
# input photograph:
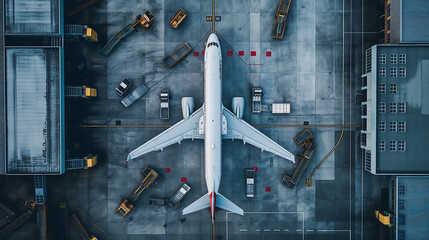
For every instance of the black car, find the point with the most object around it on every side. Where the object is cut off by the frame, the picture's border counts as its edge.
(123, 86)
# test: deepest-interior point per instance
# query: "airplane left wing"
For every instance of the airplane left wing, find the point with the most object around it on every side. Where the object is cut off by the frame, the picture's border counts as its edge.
(185, 129)
(239, 129)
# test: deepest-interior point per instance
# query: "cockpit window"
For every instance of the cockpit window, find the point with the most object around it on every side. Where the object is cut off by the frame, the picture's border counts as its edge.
(212, 43)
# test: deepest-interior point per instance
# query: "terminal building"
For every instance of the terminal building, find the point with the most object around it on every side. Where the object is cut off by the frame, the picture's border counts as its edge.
(395, 113)
(32, 86)
(396, 110)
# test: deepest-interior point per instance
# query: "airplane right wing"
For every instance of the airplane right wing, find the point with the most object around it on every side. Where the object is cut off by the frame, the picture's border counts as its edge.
(185, 129)
(239, 129)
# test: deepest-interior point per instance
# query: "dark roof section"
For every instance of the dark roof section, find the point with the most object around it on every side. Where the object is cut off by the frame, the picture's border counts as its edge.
(29, 16)
(415, 19)
(33, 111)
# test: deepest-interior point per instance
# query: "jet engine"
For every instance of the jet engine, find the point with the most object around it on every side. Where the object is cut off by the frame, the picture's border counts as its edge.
(238, 106)
(187, 106)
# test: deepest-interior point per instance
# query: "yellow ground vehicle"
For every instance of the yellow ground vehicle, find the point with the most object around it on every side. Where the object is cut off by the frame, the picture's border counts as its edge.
(91, 160)
(384, 217)
(281, 16)
(144, 19)
(90, 92)
(83, 91)
(81, 163)
(149, 178)
(178, 18)
(74, 32)
(125, 207)
(90, 34)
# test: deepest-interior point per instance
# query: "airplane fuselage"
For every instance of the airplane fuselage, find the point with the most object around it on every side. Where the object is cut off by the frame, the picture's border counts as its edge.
(213, 115)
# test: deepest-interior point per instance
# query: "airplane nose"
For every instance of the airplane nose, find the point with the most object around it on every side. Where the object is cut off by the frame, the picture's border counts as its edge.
(213, 38)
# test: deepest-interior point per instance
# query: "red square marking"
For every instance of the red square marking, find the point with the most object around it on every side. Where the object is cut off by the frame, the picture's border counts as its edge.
(255, 168)
(196, 54)
(202, 52)
(167, 170)
(268, 189)
(268, 54)
(230, 53)
(183, 179)
(253, 53)
(241, 53)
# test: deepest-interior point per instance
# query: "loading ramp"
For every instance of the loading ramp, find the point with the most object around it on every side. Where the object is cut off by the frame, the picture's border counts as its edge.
(83, 233)
(127, 30)
(15, 224)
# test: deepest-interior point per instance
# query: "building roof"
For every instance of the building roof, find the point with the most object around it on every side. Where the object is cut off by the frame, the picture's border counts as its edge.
(33, 111)
(406, 109)
(414, 19)
(29, 16)
(412, 219)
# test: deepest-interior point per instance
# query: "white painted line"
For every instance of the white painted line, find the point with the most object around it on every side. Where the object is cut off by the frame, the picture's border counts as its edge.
(267, 230)
(243, 230)
(310, 230)
(276, 230)
(327, 230)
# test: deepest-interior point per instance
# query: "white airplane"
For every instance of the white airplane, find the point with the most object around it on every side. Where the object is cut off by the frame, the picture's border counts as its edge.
(213, 123)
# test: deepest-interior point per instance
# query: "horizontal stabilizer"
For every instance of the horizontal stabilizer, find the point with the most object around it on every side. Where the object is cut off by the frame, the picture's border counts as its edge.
(224, 203)
(201, 203)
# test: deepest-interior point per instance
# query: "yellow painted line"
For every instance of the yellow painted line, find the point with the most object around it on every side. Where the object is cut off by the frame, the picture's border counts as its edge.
(261, 125)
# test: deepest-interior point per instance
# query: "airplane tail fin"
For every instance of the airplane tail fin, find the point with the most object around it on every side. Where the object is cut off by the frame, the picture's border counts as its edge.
(226, 204)
(199, 204)
(204, 202)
